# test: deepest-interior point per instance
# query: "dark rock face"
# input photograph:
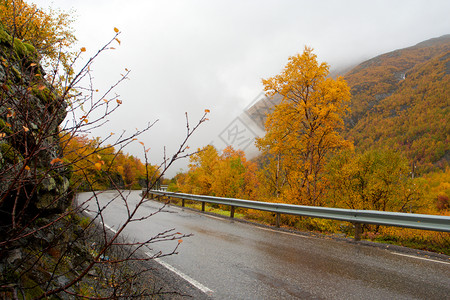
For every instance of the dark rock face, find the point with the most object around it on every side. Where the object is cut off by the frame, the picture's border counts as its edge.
(32, 183)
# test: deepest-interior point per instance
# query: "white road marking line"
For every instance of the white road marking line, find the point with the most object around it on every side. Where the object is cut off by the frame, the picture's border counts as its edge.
(109, 227)
(214, 217)
(284, 232)
(192, 281)
(423, 258)
(106, 225)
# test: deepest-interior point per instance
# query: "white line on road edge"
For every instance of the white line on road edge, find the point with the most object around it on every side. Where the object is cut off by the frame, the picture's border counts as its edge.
(284, 232)
(214, 217)
(110, 228)
(423, 258)
(192, 281)
(107, 226)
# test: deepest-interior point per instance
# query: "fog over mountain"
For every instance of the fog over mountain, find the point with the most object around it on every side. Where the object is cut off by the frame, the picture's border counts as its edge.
(187, 56)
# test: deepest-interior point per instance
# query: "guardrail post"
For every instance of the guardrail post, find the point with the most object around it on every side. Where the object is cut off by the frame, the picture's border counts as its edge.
(182, 202)
(232, 212)
(203, 206)
(277, 221)
(358, 231)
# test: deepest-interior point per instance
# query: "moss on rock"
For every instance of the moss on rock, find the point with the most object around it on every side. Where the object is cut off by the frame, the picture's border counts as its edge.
(5, 128)
(5, 38)
(10, 154)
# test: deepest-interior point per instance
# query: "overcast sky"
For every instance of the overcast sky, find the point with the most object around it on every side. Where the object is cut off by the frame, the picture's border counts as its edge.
(188, 56)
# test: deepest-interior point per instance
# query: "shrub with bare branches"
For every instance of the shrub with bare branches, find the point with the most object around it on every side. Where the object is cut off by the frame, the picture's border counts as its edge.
(47, 247)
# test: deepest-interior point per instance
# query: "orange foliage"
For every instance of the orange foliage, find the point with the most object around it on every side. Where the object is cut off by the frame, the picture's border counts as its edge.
(49, 32)
(228, 175)
(101, 167)
(400, 100)
(375, 180)
(399, 122)
(303, 129)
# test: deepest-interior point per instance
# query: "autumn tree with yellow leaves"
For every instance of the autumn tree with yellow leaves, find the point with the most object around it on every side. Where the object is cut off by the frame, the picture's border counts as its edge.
(303, 129)
(229, 174)
(375, 180)
(100, 167)
(235, 176)
(49, 32)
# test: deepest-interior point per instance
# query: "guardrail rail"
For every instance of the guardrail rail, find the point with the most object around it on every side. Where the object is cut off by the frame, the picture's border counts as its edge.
(355, 216)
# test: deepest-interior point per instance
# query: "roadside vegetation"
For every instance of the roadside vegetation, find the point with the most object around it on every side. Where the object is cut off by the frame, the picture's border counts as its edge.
(309, 156)
(306, 160)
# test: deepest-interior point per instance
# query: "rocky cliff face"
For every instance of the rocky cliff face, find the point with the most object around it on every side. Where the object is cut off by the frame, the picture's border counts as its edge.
(47, 249)
(30, 113)
(34, 184)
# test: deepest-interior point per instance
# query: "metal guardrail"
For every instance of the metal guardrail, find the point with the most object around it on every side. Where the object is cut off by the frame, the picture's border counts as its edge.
(355, 216)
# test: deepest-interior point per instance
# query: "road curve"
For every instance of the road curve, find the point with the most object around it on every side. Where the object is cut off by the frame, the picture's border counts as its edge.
(233, 260)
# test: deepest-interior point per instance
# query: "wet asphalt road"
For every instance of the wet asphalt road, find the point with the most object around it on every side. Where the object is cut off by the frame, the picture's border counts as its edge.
(232, 260)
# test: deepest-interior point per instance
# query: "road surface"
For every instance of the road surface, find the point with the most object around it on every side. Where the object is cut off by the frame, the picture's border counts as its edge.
(226, 259)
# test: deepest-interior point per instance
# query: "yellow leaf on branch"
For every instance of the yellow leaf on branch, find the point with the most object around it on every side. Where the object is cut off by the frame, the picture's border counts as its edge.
(55, 160)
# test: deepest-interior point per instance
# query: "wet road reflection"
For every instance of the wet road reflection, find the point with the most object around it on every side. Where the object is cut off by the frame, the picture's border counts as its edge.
(241, 261)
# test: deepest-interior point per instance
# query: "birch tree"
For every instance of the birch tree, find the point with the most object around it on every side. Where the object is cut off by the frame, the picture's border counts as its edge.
(304, 128)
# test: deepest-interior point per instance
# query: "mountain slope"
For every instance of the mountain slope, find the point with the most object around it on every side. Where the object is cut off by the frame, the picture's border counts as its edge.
(401, 100)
